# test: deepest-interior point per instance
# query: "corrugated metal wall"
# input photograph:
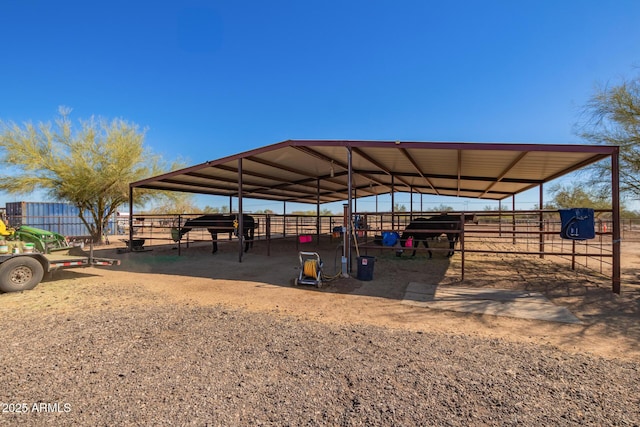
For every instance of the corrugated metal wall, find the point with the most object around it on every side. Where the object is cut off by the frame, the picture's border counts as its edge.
(61, 218)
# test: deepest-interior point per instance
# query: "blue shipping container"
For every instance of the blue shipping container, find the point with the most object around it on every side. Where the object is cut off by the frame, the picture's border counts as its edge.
(61, 218)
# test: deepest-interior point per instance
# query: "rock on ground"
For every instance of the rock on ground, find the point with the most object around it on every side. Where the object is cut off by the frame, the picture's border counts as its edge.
(186, 365)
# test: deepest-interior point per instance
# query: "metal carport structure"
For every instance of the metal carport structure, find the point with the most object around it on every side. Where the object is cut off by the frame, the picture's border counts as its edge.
(323, 171)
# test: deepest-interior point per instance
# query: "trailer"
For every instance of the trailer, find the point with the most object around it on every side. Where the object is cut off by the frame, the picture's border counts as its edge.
(23, 271)
(28, 253)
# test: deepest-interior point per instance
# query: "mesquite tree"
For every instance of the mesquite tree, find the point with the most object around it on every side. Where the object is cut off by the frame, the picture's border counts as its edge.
(90, 167)
(613, 117)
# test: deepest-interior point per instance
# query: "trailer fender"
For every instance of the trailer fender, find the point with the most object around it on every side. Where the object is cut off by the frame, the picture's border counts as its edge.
(20, 273)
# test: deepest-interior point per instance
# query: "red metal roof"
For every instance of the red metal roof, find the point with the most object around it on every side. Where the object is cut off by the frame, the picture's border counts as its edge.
(309, 171)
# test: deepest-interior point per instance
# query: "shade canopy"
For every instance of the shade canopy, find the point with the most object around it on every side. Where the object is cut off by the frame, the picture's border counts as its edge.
(317, 171)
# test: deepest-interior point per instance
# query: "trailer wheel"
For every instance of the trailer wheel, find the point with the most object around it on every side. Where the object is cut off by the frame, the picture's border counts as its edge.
(20, 274)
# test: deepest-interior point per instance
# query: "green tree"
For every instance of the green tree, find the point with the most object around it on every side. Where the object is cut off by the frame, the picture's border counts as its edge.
(264, 211)
(215, 209)
(577, 196)
(90, 167)
(443, 208)
(397, 207)
(612, 116)
(175, 203)
(304, 213)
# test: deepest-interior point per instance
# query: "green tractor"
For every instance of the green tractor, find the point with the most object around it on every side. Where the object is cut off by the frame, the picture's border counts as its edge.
(43, 241)
(28, 253)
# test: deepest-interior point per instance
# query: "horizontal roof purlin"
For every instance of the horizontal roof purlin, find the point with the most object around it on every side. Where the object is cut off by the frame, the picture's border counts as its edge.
(311, 171)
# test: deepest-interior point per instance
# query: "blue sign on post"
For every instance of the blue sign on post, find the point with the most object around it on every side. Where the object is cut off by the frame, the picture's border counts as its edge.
(577, 223)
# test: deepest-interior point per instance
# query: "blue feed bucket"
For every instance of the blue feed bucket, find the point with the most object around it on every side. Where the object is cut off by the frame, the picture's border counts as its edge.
(389, 238)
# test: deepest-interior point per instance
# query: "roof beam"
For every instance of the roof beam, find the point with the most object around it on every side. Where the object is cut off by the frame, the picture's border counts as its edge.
(504, 172)
(283, 183)
(295, 170)
(467, 178)
(378, 165)
(331, 160)
(306, 182)
(280, 166)
(417, 168)
(459, 169)
(249, 187)
(575, 167)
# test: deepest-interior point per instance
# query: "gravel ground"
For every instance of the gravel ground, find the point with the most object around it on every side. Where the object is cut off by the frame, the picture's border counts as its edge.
(180, 364)
(192, 340)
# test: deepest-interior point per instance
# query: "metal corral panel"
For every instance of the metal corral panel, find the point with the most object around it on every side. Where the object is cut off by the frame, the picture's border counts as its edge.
(61, 218)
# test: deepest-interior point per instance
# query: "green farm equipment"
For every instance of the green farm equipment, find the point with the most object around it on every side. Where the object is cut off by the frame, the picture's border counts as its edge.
(44, 241)
(28, 253)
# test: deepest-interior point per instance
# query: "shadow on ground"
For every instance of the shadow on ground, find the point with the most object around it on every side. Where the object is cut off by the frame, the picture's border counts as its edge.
(279, 264)
(586, 293)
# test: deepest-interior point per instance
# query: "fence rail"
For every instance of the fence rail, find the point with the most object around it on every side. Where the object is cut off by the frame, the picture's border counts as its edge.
(535, 233)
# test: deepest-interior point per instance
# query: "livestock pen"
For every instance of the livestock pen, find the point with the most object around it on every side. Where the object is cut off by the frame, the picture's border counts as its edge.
(534, 233)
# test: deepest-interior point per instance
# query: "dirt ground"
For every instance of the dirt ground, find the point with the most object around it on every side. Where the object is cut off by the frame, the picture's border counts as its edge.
(263, 282)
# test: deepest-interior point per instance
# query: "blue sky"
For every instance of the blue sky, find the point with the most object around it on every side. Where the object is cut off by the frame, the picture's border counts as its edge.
(209, 79)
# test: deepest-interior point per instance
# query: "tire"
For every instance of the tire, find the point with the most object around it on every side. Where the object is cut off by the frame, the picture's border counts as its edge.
(20, 274)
